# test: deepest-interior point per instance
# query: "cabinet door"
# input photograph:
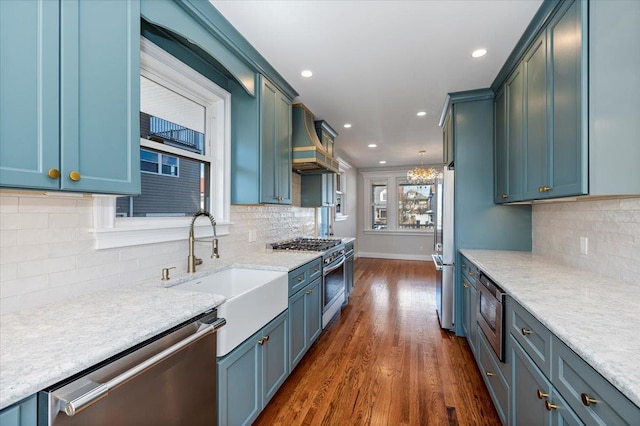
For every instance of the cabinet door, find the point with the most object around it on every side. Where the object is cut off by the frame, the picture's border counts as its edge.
(283, 143)
(514, 92)
(297, 328)
(568, 144)
(29, 97)
(536, 137)
(313, 311)
(275, 368)
(23, 413)
(239, 384)
(268, 156)
(99, 96)
(530, 389)
(469, 302)
(501, 191)
(447, 138)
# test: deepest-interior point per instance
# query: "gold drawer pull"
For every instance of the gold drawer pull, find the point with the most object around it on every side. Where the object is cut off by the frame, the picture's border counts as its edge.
(309, 291)
(300, 278)
(261, 341)
(525, 331)
(541, 395)
(472, 274)
(54, 173)
(465, 285)
(488, 373)
(549, 406)
(503, 196)
(464, 265)
(587, 400)
(74, 176)
(544, 189)
(266, 338)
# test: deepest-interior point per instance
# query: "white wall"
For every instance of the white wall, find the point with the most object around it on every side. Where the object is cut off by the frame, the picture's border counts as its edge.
(46, 250)
(612, 228)
(388, 245)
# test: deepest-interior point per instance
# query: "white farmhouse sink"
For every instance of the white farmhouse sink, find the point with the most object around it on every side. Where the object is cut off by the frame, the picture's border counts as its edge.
(254, 297)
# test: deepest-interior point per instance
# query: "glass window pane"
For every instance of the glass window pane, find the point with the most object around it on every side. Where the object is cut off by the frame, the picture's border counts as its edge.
(169, 194)
(414, 207)
(379, 206)
(171, 118)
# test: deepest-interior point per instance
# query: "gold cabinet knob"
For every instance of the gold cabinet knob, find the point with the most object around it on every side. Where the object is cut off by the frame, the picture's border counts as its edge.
(488, 373)
(525, 331)
(464, 265)
(587, 400)
(53, 173)
(472, 274)
(261, 341)
(541, 395)
(300, 278)
(549, 406)
(503, 196)
(544, 189)
(466, 285)
(309, 291)
(74, 176)
(266, 338)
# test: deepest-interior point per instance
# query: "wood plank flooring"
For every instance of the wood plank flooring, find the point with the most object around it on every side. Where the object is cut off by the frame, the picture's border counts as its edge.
(385, 361)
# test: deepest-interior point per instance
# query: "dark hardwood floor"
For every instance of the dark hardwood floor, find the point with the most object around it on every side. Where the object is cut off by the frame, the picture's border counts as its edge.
(385, 361)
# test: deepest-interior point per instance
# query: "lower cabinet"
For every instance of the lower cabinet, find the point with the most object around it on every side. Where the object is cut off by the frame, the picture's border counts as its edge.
(348, 273)
(24, 413)
(305, 320)
(469, 310)
(493, 377)
(252, 373)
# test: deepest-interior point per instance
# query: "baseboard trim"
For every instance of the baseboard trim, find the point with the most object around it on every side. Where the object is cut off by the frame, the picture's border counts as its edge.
(395, 256)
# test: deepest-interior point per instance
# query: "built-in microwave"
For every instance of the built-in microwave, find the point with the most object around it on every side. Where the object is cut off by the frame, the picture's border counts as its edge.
(490, 314)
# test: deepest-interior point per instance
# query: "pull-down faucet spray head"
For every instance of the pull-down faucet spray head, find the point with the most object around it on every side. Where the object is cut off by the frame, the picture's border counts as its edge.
(192, 260)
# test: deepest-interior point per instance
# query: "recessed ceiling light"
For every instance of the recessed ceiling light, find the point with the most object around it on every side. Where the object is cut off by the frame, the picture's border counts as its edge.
(306, 73)
(372, 145)
(347, 126)
(478, 53)
(421, 114)
(382, 162)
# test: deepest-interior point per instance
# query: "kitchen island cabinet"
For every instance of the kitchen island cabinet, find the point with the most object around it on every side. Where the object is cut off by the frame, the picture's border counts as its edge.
(70, 96)
(252, 373)
(23, 413)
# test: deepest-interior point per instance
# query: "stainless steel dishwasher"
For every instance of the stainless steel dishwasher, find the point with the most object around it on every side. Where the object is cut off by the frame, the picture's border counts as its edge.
(169, 380)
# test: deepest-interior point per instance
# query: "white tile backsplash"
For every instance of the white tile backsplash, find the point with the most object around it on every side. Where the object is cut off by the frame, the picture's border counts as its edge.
(612, 228)
(46, 250)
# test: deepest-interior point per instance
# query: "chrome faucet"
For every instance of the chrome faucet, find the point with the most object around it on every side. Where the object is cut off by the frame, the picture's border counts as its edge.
(192, 260)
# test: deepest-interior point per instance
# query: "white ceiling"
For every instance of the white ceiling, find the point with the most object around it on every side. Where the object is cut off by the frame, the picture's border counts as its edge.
(377, 63)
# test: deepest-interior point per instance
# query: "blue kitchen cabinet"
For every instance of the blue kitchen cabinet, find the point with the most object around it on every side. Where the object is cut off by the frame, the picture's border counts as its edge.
(501, 148)
(23, 413)
(261, 148)
(69, 116)
(305, 319)
(252, 373)
(469, 304)
(497, 385)
(317, 190)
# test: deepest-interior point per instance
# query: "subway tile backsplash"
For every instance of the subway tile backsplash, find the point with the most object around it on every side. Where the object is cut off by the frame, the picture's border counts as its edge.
(612, 228)
(46, 250)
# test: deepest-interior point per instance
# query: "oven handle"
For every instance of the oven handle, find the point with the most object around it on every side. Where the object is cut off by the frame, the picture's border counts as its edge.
(81, 402)
(333, 268)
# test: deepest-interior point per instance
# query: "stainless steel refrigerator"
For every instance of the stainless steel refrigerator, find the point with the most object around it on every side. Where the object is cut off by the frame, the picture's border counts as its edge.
(444, 257)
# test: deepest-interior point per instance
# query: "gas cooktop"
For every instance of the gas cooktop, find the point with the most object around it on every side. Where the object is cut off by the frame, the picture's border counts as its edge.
(306, 244)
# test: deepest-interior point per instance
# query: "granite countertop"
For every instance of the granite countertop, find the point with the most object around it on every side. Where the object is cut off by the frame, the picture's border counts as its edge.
(596, 316)
(43, 345)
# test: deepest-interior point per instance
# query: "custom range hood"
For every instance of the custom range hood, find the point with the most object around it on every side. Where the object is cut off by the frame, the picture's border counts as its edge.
(312, 143)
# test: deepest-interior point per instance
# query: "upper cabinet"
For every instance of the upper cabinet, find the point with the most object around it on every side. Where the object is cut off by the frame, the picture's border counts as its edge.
(69, 108)
(261, 148)
(557, 113)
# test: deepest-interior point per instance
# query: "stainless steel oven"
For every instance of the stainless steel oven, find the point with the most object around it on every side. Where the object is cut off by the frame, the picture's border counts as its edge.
(490, 314)
(333, 286)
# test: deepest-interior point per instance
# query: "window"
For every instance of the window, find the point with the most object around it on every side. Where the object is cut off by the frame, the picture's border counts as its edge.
(414, 206)
(184, 156)
(341, 212)
(414, 211)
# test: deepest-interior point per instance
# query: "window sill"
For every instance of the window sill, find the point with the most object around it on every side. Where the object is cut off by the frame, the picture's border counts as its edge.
(112, 232)
(398, 233)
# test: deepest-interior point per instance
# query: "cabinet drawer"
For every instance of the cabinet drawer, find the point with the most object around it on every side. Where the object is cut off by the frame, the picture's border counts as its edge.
(468, 270)
(300, 277)
(534, 337)
(575, 380)
(492, 375)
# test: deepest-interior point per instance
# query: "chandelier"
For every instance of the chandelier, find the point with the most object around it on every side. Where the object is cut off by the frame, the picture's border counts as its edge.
(422, 176)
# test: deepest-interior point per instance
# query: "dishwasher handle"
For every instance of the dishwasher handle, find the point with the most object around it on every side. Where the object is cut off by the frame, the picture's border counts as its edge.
(78, 404)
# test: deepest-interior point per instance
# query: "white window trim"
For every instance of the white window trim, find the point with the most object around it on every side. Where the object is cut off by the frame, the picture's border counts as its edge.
(112, 232)
(392, 179)
(343, 167)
